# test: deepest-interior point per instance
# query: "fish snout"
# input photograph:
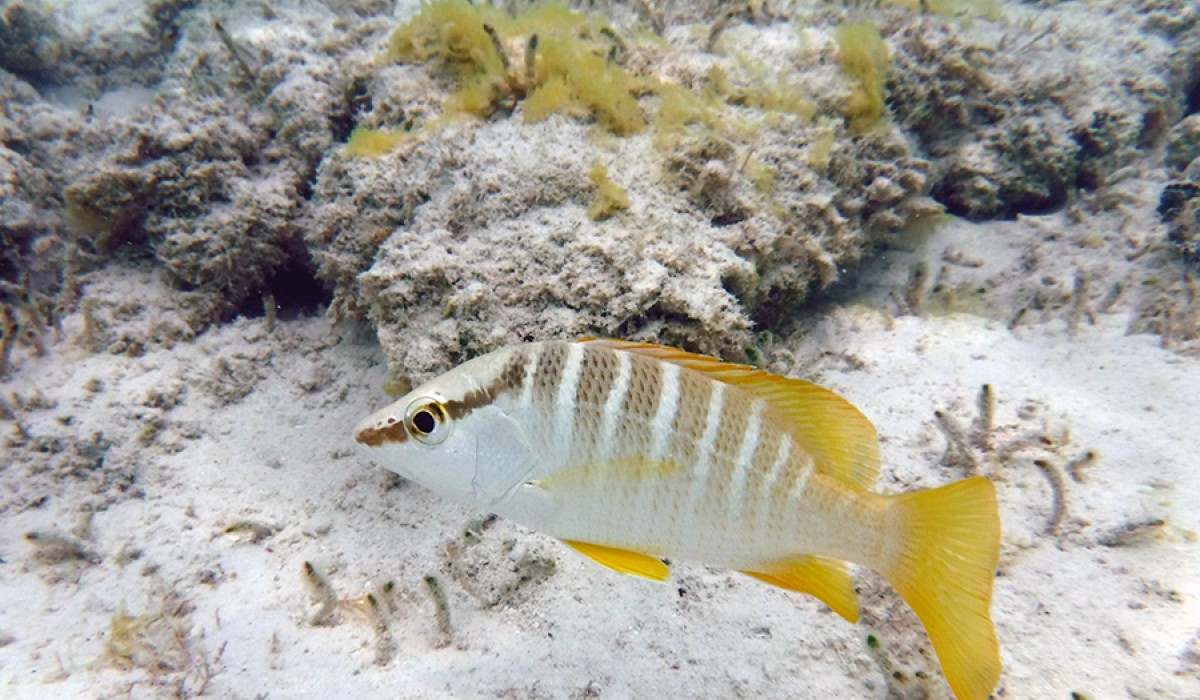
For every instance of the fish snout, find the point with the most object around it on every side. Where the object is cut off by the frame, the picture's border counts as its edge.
(383, 428)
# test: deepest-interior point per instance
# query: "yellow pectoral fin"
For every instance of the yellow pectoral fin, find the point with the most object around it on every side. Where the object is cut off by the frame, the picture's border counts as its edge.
(827, 580)
(622, 560)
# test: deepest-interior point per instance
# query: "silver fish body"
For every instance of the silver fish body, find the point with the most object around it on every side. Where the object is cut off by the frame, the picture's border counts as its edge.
(587, 442)
(632, 452)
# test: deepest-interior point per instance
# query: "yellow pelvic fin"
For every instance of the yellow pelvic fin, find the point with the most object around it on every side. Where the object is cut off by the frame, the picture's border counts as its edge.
(622, 560)
(950, 548)
(827, 580)
(841, 440)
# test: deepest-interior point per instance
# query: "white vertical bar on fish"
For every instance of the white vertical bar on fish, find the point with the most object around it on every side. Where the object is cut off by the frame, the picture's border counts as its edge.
(612, 407)
(745, 456)
(531, 365)
(767, 490)
(801, 483)
(664, 417)
(564, 402)
(661, 432)
(704, 454)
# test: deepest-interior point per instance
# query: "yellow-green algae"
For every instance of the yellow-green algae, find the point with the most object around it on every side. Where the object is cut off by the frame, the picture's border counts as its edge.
(549, 55)
(550, 59)
(866, 60)
(546, 99)
(610, 197)
(821, 148)
(372, 143)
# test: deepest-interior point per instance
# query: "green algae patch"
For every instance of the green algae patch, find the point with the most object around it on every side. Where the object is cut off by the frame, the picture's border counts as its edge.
(866, 60)
(372, 143)
(546, 99)
(456, 33)
(553, 60)
(597, 84)
(821, 148)
(610, 197)
(769, 90)
(547, 59)
(678, 107)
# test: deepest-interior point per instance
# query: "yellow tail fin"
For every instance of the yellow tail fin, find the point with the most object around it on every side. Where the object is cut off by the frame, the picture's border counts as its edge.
(951, 545)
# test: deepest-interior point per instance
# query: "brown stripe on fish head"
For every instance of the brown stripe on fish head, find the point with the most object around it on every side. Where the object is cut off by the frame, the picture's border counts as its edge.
(634, 429)
(390, 432)
(508, 379)
(597, 375)
(695, 391)
(549, 371)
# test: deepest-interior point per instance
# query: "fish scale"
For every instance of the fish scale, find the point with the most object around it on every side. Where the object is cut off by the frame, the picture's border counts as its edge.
(718, 476)
(611, 413)
(689, 419)
(630, 452)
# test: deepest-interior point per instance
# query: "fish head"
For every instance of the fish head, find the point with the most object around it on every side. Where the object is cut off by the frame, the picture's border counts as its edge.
(457, 434)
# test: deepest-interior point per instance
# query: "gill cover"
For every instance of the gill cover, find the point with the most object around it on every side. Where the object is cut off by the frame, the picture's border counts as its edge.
(504, 460)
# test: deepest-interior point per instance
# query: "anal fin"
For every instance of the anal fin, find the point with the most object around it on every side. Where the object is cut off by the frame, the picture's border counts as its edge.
(827, 580)
(623, 560)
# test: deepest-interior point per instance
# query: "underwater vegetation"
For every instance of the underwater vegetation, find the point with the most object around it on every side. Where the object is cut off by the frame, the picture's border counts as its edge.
(762, 151)
(1179, 203)
(949, 8)
(731, 138)
(865, 57)
(555, 57)
(610, 197)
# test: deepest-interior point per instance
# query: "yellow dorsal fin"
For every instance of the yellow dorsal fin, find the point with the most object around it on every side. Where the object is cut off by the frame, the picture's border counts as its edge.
(841, 440)
(827, 580)
(622, 560)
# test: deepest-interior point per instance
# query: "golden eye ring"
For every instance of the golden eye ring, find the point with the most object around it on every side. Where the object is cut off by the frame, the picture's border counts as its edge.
(426, 420)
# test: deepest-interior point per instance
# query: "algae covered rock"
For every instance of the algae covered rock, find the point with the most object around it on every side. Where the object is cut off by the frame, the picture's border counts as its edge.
(1021, 112)
(474, 271)
(28, 40)
(207, 175)
(463, 176)
(741, 194)
(1179, 209)
(216, 224)
(1183, 143)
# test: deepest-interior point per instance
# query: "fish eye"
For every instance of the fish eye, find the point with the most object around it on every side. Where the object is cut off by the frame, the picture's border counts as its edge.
(423, 421)
(426, 420)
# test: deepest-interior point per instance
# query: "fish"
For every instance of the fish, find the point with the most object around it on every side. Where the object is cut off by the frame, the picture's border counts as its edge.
(632, 453)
